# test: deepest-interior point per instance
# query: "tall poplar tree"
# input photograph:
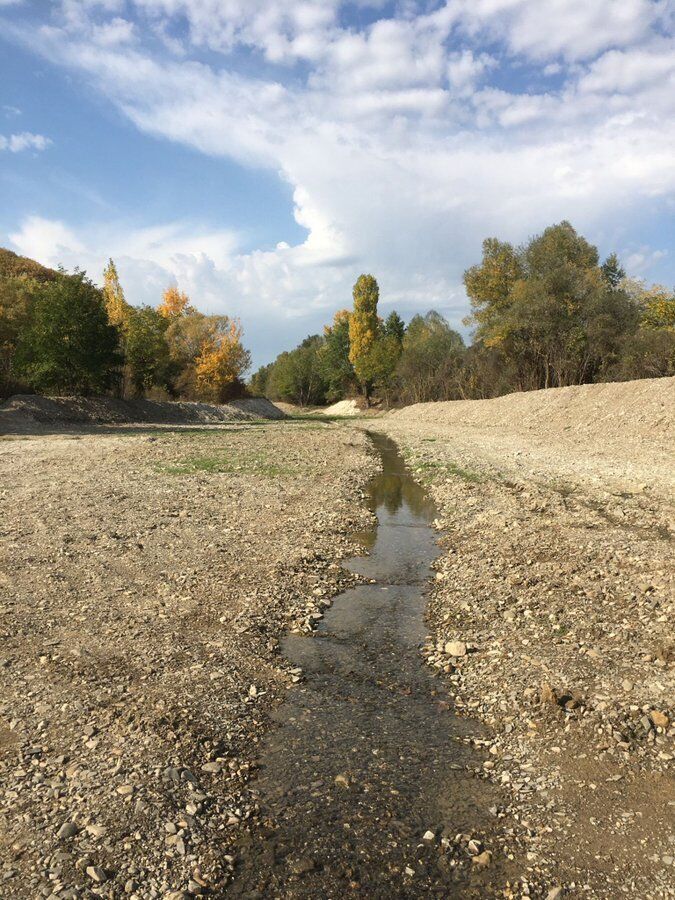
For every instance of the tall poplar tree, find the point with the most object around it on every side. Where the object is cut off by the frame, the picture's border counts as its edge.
(113, 295)
(364, 327)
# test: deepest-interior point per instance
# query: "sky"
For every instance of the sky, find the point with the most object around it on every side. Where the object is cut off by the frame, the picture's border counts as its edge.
(262, 155)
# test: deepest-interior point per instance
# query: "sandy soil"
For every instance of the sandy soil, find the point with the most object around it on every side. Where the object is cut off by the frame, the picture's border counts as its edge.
(146, 576)
(552, 616)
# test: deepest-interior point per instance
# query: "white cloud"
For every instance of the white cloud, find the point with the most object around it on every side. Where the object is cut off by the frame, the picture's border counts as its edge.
(402, 140)
(51, 242)
(25, 140)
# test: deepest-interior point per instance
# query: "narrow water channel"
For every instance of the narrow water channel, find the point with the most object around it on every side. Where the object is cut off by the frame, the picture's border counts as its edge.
(367, 755)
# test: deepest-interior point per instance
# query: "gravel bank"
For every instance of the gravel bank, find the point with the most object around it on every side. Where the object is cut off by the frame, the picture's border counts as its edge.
(552, 617)
(146, 577)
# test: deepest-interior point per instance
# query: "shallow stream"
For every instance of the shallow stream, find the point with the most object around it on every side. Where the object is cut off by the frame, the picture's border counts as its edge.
(367, 755)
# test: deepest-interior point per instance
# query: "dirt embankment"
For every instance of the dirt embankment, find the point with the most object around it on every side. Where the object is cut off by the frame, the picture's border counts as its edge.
(28, 413)
(552, 615)
(146, 576)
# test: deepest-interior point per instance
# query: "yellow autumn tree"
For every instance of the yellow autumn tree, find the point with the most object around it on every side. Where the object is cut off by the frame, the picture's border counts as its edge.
(364, 326)
(116, 306)
(174, 303)
(221, 362)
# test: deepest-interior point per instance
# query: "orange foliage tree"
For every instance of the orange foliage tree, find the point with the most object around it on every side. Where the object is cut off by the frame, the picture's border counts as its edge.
(221, 362)
(174, 303)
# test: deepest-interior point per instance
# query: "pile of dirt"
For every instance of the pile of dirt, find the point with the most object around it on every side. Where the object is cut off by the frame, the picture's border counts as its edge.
(343, 408)
(642, 411)
(24, 413)
(551, 616)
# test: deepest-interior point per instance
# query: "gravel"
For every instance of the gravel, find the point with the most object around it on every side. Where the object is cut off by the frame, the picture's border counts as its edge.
(147, 576)
(557, 576)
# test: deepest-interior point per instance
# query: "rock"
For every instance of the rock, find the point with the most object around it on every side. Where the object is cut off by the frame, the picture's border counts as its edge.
(97, 874)
(342, 780)
(548, 695)
(482, 860)
(659, 719)
(67, 830)
(302, 866)
(212, 768)
(428, 836)
(455, 648)
(555, 893)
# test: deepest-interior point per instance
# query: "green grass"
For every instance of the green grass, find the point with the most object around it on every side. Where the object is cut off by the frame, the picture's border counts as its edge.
(231, 462)
(434, 470)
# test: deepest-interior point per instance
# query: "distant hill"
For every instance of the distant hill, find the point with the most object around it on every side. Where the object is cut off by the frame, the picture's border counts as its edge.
(11, 265)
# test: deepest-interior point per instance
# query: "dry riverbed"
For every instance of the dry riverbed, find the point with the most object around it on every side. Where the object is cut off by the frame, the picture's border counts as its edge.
(552, 618)
(146, 578)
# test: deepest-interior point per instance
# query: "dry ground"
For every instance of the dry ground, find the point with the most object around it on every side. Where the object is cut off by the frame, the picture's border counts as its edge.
(144, 580)
(556, 516)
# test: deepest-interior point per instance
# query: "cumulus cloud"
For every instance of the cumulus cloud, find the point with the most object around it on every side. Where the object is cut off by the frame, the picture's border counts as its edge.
(25, 140)
(403, 141)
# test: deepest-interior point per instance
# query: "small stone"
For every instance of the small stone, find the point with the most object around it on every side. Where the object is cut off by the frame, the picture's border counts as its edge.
(455, 648)
(555, 893)
(302, 866)
(428, 836)
(659, 719)
(67, 830)
(482, 859)
(125, 790)
(547, 694)
(342, 780)
(96, 873)
(212, 768)
(627, 685)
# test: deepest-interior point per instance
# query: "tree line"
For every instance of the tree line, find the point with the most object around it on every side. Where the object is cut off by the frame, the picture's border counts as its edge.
(60, 334)
(545, 314)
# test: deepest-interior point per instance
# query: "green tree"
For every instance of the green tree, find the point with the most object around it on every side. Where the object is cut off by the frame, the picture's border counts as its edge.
(68, 345)
(612, 271)
(258, 382)
(431, 359)
(338, 372)
(394, 326)
(297, 376)
(364, 326)
(148, 361)
(379, 365)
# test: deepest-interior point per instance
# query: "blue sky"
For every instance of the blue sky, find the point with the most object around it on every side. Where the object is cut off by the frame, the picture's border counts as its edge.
(263, 155)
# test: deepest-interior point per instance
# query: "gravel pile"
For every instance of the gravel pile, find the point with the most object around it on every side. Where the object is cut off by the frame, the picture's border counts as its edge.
(552, 618)
(146, 579)
(30, 413)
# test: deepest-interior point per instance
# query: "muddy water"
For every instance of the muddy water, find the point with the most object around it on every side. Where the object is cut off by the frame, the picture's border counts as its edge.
(368, 756)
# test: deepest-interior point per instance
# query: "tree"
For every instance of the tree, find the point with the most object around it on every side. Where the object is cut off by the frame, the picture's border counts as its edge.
(430, 361)
(338, 372)
(221, 362)
(612, 271)
(379, 364)
(68, 345)
(16, 295)
(113, 295)
(394, 326)
(364, 326)
(148, 361)
(174, 304)
(297, 376)
(259, 381)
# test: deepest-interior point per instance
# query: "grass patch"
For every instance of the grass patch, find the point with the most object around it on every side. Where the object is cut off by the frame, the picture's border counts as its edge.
(229, 463)
(434, 470)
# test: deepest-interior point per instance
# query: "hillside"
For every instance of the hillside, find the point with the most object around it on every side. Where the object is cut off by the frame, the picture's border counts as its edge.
(12, 265)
